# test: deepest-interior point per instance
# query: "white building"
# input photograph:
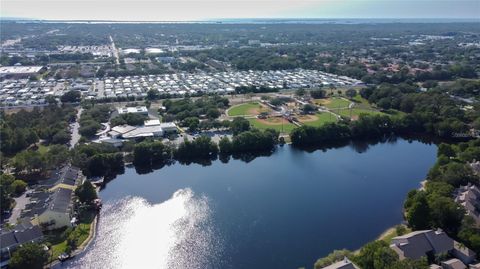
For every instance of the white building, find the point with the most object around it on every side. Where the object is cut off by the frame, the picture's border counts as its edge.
(135, 110)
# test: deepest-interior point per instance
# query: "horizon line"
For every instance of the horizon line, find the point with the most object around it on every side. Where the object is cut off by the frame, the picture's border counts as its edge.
(12, 18)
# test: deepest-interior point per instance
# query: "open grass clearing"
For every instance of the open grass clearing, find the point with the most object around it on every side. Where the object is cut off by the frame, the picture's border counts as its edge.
(247, 109)
(333, 102)
(277, 123)
(354, 113)
(318, 119)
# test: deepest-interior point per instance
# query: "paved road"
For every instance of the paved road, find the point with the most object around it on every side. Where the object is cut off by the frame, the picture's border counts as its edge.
(115, 52)
(75, 126)
(20, 201)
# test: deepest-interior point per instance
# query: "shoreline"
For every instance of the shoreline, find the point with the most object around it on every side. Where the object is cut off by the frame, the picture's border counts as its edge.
(84, 245)
(91, 235)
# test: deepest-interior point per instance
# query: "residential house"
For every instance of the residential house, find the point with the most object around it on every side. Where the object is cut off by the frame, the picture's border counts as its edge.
(453, 264)
(429, 243)
(22, 233)
(58, 210)
(469, 197)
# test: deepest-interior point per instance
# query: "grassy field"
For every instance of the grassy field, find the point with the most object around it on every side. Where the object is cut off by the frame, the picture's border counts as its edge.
(59, 241)
(332, 103)
(287, 126)
(247, 109)
(356, 112)
(321, 119)
(360, 100)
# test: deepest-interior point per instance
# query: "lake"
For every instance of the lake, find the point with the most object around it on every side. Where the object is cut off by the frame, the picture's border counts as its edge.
(281, 211)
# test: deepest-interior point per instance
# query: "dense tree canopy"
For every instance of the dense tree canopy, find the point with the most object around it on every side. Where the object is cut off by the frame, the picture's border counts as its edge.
(28, 256)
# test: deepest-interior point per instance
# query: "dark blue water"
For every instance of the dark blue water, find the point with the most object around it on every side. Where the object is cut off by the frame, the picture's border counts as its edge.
(288, 209)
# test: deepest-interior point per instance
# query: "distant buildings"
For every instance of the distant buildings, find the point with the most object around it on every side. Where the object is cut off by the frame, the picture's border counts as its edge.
(20, 71)
(151, 128)
(17, 92)
(134, 110)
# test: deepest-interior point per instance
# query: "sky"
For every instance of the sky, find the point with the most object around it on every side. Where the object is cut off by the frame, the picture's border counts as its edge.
(187, 10)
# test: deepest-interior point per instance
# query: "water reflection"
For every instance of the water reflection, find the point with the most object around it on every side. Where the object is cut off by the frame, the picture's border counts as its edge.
(132, 233)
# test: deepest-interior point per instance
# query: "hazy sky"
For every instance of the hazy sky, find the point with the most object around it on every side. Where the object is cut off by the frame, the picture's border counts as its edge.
(163, 10)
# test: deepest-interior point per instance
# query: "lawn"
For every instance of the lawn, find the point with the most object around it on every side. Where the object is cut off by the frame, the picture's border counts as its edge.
(392, 232)
(59, 241)
(356, 112)
(333, 103)
(359, 99)
(58, 249)
(247, 109)
(287, 127)
(321, 119)
(42, 149)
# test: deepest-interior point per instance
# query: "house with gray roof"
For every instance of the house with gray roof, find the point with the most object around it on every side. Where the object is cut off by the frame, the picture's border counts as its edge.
(453, 264)
(418, 244)
(57, 212)
(11, 239)
(343, 264)
(469, 197)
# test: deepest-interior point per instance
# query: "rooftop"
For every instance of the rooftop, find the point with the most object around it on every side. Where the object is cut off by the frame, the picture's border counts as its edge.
(61, 200)
(20, 235)
(19, 69)
(343, 264)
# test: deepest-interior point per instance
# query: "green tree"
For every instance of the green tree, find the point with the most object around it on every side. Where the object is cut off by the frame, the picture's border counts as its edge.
(19, 186)
(239, 125)
(384, 257)
(308, 108)
(371, 254)
(335, 256)
(6, 190)
(86, 193)
(192, 123)
(351, 93)
(153, 95)
(445, 213)
(300, 92)
(71, 97)
(317, 94)
(418, 214)
(446, 150)
(28, 256)
(225, 145)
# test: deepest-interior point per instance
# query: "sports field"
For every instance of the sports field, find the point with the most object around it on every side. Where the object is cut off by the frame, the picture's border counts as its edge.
(247, 109)
(333, 103)
(356, 112)
(277, 123)
(318, 119)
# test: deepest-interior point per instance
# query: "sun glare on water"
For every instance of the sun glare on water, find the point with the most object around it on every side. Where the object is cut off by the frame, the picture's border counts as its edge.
(132, 233)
